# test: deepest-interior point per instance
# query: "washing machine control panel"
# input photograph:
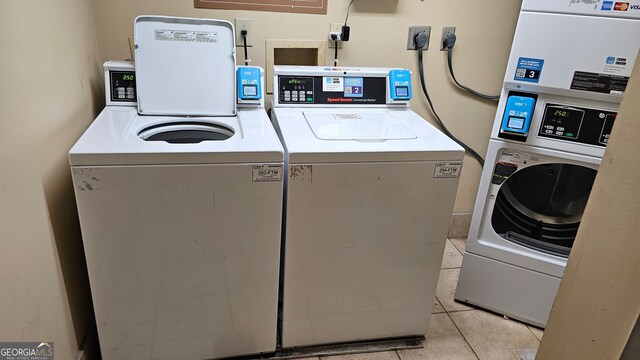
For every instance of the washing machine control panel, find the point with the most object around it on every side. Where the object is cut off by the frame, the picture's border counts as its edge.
(120, 83)
(577, 124)
(331, 90)
(123, 86)
(296, 89)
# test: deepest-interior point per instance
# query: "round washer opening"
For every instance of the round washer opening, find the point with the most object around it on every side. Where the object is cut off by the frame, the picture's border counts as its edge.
(186, 132)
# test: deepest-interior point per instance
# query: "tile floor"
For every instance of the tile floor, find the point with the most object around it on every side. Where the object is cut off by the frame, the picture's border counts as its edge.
(458, 331)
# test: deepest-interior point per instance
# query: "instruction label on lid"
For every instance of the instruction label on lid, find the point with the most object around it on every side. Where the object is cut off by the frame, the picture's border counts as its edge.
(267, 172)
(186, 36)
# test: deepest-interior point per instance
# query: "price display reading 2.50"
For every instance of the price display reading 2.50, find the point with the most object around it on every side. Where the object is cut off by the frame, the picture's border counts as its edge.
(561, 113)
(127, 77)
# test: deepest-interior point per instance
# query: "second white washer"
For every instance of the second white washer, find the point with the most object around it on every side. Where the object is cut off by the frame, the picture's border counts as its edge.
(369, 193)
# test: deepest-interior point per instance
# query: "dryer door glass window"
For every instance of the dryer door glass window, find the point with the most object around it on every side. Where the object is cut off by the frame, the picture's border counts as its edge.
(541, 206)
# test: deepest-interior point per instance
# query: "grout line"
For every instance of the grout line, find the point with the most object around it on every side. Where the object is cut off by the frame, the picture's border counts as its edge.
(461, 310)
(464, 337)
(534, 334)
(455, 247)
(398, 354)
(450, 268)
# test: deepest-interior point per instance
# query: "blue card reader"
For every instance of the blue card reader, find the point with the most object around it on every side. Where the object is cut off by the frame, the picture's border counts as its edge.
(400, 85)
(249, 87)
(517, 115)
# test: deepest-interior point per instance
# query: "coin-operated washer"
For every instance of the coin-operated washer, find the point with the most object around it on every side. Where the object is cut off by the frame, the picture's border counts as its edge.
(180, 199)
(370, 190)
(567, 72)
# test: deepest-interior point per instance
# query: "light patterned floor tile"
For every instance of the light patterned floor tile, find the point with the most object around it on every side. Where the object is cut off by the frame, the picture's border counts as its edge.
(444, 341)
(437, 308)
(446, 289)
(452, 258)
(493, 337)
(385, 355)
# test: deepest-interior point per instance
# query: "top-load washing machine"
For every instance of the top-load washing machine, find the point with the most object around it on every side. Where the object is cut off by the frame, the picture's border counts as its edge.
(180, 200)
(369, 193)
(567, 72)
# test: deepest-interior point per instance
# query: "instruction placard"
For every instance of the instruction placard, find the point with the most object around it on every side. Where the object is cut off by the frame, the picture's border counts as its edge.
(599, 83)
(186, 36)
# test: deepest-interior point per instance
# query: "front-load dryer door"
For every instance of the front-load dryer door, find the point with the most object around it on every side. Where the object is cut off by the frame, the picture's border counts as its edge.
(353, 125)
(530, 203)
(540, 207)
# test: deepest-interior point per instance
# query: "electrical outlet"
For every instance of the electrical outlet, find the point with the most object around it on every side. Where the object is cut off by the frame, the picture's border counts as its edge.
(413, 31)
(335, 28)
(244, 24)
(446, 31)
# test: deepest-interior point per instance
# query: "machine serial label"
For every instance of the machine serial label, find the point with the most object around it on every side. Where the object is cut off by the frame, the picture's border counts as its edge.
(447, 170)
(265, 172)
(186, 36)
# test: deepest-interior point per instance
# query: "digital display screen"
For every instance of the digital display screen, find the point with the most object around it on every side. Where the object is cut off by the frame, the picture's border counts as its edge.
(249, 90)
(516, 123)
(589, 126)
(402, 91)
(562, 121)
(123, 86)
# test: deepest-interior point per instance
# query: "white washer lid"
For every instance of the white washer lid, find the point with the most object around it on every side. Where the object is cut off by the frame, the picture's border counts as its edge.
(185, 66)
(353, 125)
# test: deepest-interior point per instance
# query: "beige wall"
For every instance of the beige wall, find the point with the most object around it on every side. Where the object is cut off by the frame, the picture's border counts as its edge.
(599, 297)
(49, 91)
(378, 38)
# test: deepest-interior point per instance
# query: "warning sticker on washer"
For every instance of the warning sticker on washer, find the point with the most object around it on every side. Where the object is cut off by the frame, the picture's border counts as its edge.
(267, 173)
(528, 69)
(186, 36)
(599, 83)
(332, 84)
(447, 169)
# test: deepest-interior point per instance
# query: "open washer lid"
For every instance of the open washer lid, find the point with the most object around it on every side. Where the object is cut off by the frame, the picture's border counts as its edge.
(185, 66)
(359, 126)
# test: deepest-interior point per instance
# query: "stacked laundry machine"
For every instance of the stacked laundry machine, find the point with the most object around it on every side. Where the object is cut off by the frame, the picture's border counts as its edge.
(567, 72)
